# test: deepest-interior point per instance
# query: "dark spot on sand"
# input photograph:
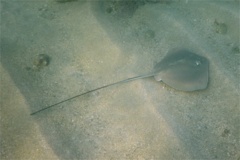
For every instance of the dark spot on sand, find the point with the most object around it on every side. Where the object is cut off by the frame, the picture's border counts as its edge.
(225, 132)
(220, 28)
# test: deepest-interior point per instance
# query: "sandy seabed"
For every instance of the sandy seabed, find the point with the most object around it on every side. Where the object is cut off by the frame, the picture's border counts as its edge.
(94, 43)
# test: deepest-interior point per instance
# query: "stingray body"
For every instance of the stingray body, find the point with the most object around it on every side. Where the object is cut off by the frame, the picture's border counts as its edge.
(183, 70)
(180, 69)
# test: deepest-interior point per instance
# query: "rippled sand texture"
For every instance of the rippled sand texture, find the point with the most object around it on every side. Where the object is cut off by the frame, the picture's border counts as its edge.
(52, 50)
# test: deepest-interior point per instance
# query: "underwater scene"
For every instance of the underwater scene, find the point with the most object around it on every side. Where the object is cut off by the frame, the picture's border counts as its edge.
(120, 79)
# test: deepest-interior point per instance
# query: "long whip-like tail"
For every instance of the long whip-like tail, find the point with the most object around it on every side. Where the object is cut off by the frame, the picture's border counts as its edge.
(119, 82)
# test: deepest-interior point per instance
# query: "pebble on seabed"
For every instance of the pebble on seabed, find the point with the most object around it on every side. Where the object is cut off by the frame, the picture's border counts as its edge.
(41, 61)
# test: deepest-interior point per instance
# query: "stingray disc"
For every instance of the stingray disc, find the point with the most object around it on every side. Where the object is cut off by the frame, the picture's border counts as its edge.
(183, 70)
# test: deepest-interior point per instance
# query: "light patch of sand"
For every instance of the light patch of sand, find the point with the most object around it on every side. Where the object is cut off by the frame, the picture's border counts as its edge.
(20, 136)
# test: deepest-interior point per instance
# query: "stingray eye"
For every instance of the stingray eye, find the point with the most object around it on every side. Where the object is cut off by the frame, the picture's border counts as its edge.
(197, 62)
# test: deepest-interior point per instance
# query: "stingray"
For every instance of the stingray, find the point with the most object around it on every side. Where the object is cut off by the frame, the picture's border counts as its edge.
(179, 69)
